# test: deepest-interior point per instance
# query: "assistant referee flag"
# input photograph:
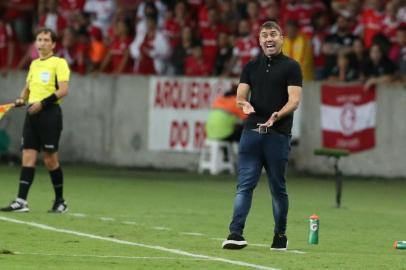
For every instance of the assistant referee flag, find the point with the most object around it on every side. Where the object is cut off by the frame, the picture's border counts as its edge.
(5, 108)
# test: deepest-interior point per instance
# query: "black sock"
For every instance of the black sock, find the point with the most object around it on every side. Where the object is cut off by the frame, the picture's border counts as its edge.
(57, 181)
(26, 179)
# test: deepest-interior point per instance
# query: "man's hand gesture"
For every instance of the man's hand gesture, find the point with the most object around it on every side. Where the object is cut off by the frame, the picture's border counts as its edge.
(247, 107)
(274, 117)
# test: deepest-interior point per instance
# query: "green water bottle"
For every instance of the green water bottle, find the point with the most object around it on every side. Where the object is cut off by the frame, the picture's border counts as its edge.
(314, 229)
(399, 244)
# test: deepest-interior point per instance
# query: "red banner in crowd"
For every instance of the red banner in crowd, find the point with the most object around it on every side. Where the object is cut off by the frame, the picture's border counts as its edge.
(348, 116)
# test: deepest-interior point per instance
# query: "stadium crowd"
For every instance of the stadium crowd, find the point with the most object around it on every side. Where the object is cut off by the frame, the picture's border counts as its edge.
(342, 40)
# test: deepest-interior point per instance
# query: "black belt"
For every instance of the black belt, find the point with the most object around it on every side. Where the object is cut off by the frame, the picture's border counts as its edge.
(262, 130)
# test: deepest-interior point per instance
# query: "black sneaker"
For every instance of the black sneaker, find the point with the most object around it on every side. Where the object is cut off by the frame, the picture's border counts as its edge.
(59, 207)
(280, 242)
(19, 205)
(234, 241)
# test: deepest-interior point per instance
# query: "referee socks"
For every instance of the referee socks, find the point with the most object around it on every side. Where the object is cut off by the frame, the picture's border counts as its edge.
(26, 179)
(57, 180)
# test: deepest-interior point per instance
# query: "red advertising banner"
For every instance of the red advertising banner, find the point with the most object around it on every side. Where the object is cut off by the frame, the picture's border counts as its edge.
(178, 109)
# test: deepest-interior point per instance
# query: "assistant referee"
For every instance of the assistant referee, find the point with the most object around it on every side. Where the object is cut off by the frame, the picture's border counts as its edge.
(46, 85)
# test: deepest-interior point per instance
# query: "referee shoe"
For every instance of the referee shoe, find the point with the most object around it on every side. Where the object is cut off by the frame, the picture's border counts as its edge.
(234, 241)
(18, 205)
(59, 207)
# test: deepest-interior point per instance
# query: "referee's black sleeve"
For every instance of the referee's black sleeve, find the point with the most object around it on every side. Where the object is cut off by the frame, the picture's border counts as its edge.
(295, 77)
(245, 77)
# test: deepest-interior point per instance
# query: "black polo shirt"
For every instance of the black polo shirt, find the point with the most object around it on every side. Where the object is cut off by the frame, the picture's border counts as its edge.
(269, 80)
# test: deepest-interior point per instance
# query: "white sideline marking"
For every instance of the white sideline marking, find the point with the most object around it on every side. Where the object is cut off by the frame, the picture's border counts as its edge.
(192, 233)
(161, 228)
(106, 219)
(78, 215)
(129, 222)
(108, 256)
(260, 245)
(184, 233)
(124, 242)
(296, 251)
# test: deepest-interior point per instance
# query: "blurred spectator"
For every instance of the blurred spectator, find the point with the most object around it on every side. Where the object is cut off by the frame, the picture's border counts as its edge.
(196, 64)
(68, 7)
(182, 50)
(299, 47)
(117, 59)
(129, 6)
(209, 37)
(225, 118)
(52, 19)
(229, 14)
(101, 12)
(224, 54)
(203, 13)
(79, 22)
(401, 15)
(41, 8)
(398, 52)
(378, 68)
(73, 51)
(340, 40)
(307, 8)
(354, 7)
(97, 50)
(318, 35)
(176, 20)
(383, 42)
(245, 47)
(6, 46)
(390, 21)
(360, 54)
(150, 50)
(343, 71)
(289, 11)
(271, 12)
(372, 20)
(19, 14)
(160, 8)
(149, 10)
(30, 54)
(253, 17)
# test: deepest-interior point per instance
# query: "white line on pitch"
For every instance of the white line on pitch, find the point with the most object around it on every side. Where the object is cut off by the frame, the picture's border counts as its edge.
(192, 233)
(296, 251)
(108, 256)
(106, 219)
(129, 222)
(81, 215)
(159, 228)
(124, 242)
(259, 245)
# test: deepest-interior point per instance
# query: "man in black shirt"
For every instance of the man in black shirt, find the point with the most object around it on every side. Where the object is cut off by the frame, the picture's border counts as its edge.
(274, 84)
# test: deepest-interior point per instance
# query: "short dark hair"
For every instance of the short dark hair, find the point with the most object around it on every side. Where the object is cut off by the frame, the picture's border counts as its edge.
(271, 25)
(46, 30)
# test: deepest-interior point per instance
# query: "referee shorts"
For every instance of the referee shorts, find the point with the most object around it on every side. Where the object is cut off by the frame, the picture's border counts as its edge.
(42, 130)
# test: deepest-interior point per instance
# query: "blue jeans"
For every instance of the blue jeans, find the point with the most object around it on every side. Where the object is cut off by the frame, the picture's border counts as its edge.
(256, 151)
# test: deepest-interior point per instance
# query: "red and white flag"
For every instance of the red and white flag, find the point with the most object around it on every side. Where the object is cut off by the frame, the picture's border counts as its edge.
(348, 117)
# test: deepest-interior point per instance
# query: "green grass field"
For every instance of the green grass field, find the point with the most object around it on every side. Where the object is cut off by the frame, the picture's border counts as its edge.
(135, 219)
